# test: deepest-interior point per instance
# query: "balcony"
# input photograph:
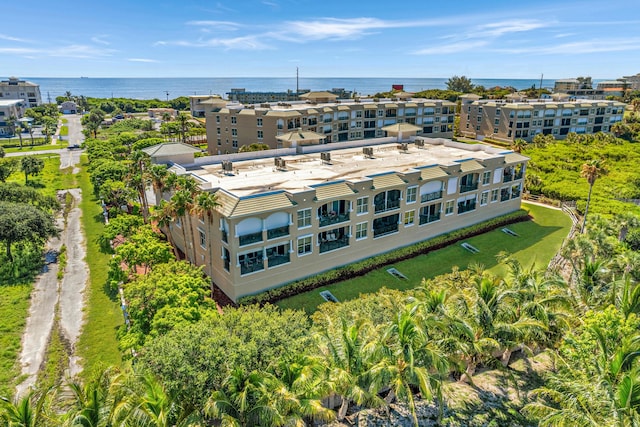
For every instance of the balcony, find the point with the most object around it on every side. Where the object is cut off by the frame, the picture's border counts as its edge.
(385, 229)
(518, 175)
(327, 120)
(274, 233)
(249, 239)
(333, 243)
(247, 267)
(468, 187)
(313, 122)
(410, 114)
(390, 205)
(425, 219)
(466, 207)
(515, 193)
(507, 177)
(431, 196)
(333, 219)
(274, 260)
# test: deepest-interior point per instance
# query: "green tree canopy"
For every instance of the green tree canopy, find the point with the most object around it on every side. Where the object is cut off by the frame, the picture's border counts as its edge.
(31, 165)
(460, 84)
(21, 222)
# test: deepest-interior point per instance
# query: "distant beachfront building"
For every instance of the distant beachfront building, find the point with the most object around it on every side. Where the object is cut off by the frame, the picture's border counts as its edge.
(581, 87)
(508, 121)
(632, 81)
(247, 97)
(200, 104)
(14, 88)
(291, 213)
(10, 111)
(233, 125)
(612, 87)
(68, 107)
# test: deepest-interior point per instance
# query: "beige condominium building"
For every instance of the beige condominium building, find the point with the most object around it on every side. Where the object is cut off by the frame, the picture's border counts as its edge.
(14, 88)
(285, 218)
(508, 121)
(235, 125)
(10, 111)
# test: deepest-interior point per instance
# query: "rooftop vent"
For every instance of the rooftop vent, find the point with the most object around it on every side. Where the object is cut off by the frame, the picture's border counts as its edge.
(326, 157)
(368, 152)
(280, 163)
(419, 142)
(227, 167)
(404, 147)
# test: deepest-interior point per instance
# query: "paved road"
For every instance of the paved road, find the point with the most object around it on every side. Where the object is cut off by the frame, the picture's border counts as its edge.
(66, 298)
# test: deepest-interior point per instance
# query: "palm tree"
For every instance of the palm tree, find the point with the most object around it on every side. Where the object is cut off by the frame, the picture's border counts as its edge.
(591, 171)
(138, 177)
(13, 124)
(409, 360)
(183, 123)
(518, 145)
(206, 202)
(31, 410)
(346, 350)
(155, 407)
(245, 399)
(165, 215)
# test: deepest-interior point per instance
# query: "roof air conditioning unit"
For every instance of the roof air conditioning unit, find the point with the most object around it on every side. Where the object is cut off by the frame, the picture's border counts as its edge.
(227, 166)
(367, 151)
(326, 157)
(419, 142)
(403, 147)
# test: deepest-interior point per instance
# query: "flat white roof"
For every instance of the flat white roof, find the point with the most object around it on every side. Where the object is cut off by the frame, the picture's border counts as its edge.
(10, 102)
(302, 171)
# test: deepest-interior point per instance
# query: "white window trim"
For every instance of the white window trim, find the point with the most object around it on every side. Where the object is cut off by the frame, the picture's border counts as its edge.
(306, 253)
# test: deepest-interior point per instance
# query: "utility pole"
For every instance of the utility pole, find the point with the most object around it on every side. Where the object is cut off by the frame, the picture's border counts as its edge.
(297, 82)
(540, 88)
(167, 92)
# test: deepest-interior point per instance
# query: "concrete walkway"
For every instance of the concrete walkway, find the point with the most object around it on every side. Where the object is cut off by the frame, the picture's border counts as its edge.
(49, 296)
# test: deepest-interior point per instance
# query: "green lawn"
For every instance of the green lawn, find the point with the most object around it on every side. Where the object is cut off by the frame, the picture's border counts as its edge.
(538, 240)
(64, 130)
(50, 180)
(98, 344)
(14, 304)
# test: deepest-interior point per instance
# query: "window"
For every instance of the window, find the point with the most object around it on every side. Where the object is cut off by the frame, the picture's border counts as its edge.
(203, 238)
(217, 119)
(412, 194)
(494, 195)
(234, 132)
(304, 218)
(304, 245)
(409, 218)
(486, 177)
(361, 231)
(448, 207)
(362, 205)
(234, 143)
(259, 121)
(218, 131)
(234, 120)
(484, 198)
(260, 134)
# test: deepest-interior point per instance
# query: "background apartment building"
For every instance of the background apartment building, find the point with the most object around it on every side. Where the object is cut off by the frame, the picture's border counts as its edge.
(10, 111)
(14, 88)
(234, 125)
(508, 121)
(286, 218)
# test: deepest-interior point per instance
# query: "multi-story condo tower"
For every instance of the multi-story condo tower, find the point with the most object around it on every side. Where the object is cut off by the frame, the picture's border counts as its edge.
(508, 121)
(234, 125)
(15, 88)
(312, 209)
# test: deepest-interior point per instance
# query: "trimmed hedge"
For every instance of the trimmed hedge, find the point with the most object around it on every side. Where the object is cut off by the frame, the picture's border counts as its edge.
(365, 266)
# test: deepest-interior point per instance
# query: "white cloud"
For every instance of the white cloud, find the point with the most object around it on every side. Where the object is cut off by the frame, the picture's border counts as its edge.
(18, 50)
(336, 29)
(100, 40)
(452, 48)
(497, 29)
(12, 39)
(240, 43)
(582, 47)
(218, 25)
(141, 60)
(79, 51)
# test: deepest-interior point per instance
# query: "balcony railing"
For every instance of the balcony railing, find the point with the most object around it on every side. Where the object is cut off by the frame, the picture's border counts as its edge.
(425, 219)
(277, 260)
(466, 207)
(409, 114)
(247, 267)
(278, 232)
(390, 205)
(225, 236)
(313, 122)
(333, 219)
(431, 196)
(327, 120)
(330, 245)
(518, 175)
(385, 229)
(468, 187)
(507, 177)
(248, 239)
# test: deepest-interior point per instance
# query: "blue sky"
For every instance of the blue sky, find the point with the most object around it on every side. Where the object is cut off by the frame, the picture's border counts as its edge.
(324, 38)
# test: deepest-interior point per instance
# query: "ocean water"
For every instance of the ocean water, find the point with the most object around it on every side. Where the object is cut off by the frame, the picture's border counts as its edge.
(163, 88)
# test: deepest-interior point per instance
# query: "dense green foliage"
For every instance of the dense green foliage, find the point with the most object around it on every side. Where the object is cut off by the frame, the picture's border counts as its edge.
(554, 171)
